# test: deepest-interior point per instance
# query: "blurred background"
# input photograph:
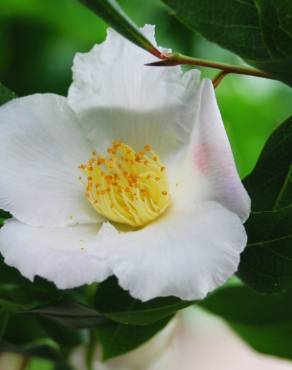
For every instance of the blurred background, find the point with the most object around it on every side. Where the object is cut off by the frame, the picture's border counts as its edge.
(38, 40)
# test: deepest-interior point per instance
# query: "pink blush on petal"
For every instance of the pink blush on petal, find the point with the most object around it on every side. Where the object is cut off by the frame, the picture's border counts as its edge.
(200, 158)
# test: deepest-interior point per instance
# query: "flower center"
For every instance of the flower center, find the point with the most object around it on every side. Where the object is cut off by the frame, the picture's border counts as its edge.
(126, 186)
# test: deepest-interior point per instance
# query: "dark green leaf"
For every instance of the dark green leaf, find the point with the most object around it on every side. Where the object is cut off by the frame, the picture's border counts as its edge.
(5, 95)
(33, 336)
(4, 317)
(259, 31)
(266, 263)
(240, 304)
(61, 334)
(117, 339)
(114, 16)
(232, 24)
(71, 314)
(270, 183)
(117, 304)
(43, 348)
(264, 321)
(24, 335)
(9, 275)
(3, 217)
(111, 303)
(267, 266)
(18, 294)
(276, 25)
(60, 366)
(273, 339)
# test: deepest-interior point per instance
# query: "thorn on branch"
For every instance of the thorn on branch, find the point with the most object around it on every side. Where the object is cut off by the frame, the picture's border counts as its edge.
(163, 63)
(175, 59)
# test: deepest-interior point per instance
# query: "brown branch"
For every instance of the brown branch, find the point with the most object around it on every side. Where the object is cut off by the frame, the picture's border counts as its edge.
(216, 81)
(178, 59)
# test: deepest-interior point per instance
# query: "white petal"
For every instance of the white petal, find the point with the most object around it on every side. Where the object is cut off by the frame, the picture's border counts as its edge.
(212, 157)
(41, 146)
(66, 256)
(187, 253)
(118, 97)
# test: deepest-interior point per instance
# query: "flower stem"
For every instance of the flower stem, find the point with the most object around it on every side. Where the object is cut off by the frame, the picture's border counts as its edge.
(24, 363)
(177, 59)
(90, 352)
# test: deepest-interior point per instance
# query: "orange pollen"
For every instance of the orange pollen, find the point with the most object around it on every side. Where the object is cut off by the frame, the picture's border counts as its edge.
(121, 187)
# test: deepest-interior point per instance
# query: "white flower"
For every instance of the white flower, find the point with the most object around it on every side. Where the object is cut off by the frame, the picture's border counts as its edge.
(166, 222)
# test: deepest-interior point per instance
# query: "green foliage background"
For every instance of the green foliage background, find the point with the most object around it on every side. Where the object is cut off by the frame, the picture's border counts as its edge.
(38, 40)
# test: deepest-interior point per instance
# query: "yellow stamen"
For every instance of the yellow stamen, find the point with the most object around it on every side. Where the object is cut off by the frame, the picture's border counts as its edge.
(127, 187)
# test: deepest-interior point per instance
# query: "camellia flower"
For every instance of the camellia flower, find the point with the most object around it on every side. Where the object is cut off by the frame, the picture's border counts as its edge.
(132, 175)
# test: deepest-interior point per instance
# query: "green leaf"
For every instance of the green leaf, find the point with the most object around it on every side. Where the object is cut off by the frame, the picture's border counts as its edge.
(263, 321)
(5, 94)
(259, 31)
(10, 275)
(31, 340)
(275, 22)
(72, 314)
(33, 336)
(3, 216)
(114, 16)
(111, 303)
(18, 296)
(240, 304)
(63, 335)
(117, 304)
(273, 339)
(44, 348)
(266, 263)
(117, 339)
(4, 317)
(269, 184)
(232, 24)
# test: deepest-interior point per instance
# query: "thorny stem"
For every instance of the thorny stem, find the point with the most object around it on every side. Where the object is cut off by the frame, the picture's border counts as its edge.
(177, 59)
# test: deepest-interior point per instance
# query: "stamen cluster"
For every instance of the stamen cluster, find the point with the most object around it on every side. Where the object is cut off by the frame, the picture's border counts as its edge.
(127, 186)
